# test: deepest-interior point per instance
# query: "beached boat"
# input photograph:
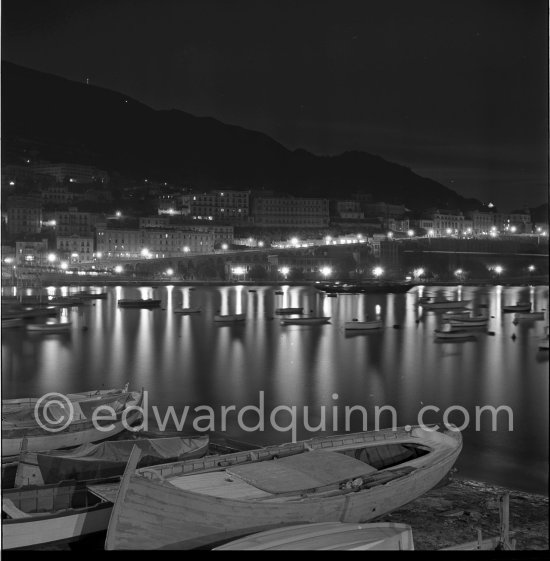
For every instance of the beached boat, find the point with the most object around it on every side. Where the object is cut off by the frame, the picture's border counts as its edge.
(532, 316)
(9, 323)
(289, 310)
(67, 424)
(139, 303)
(186, 311)
(49, 514)
(359, 325)
(518, 307)
(107, 459)
(454, 334)
(445, 304)
(328, 536)
(340, 478)
(306, 320)
(53, 327)
(229, 317)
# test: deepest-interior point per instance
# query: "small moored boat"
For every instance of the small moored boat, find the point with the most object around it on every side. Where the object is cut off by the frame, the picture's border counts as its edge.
(518, 307)
(289, 310)
(53, 327)
(306, 320)
(229, 317)
(329, 536)
(472, 321)
(445, 304)
(139, 303)
(529, 316)
(356, 324)
(454, 334)
(186, 311)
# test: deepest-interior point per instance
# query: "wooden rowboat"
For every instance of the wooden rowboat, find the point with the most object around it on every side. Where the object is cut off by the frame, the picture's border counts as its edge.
(53, 513)
(68, 422)
(329, 536)
(342, 478)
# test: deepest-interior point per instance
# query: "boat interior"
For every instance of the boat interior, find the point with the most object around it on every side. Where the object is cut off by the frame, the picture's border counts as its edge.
(318, 473)
(48, 499)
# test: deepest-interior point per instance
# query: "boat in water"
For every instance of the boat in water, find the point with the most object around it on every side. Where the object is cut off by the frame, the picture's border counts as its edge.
(328, 536)
(229, 318)
(52, 327)
(362, 325)
(454, 334)
(347, 478)
(187, 311)
(281, 311)
(517, 307)
(456, 314)
(65, 301)
(471, 321)
(305, 320)
(366, 288)
(445, 304)
(530, 316)
(10, 323)
(139, 303)
(68, 422)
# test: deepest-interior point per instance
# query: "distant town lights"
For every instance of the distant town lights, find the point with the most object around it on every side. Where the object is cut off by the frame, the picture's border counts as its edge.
(419, 272)
(145, 252)
(294, 241)
(459, 272)
(378, 271)
(118, 214)
(329, 238)
(238, 270)
(186, 249)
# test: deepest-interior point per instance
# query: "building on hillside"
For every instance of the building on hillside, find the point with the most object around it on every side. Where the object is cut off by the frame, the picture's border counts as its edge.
(75, 248)
(72, 173)
(24, 215)
(298, 212)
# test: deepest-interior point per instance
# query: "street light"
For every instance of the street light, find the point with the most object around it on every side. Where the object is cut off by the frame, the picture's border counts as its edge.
(430, 232)
(448, 231)
(186, 249)
(118, 269)
(498, 269)
(284, 271)
(99, 255)
(328, 239)
(8, 260)
(64, 265)
(326, 271)
(169, 272)
(513, 229)
(458, 272)
(51, 257)
(378, 272)
(390, 235)
(224, 246)
(260, 244)
(294, 241)
(531, 268)
(419, 272)
(118, 214)
(410, 233)
(145, 252)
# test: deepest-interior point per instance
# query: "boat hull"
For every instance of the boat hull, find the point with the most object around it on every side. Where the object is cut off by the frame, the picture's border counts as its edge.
(529, 316)
(362, 325)
(229, 318)
(139, 303)
(47, 529)
(305, 321)
(446, 305)
(153, 514)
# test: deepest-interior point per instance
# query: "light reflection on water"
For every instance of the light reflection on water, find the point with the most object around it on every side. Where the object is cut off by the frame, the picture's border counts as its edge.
(189, 360)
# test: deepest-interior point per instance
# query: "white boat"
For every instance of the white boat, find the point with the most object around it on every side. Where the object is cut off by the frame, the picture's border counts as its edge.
(65, 511)
(324, 536)
(186, 311)
(54, 327)
(307, 320)
(9, 323)
(453, 334)
(445, 304)
(361, 325)
(347, 478)
(529, 316)
(518, 307)
(229, 317)
(20, 421)
(289, 310)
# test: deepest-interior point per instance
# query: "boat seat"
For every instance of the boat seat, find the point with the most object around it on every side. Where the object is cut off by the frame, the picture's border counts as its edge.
(11, 510)
(300, 472)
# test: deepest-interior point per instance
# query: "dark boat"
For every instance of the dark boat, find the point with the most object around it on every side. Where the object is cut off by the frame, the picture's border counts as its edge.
(366, 288)
(139, 303)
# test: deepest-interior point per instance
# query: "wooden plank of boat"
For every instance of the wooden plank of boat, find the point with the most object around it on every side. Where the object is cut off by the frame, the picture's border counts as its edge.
(104, 460)
(54, 327)
(139, 303)
(49, 514)
(186, 311)
(307, 320)
(80, 430)
(229, 317)
(359, 325)
(328, 536)
(297, 310)
(199, 502)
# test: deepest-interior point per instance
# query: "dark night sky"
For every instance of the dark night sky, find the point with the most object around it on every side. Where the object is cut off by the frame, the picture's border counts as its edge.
(455, 89)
